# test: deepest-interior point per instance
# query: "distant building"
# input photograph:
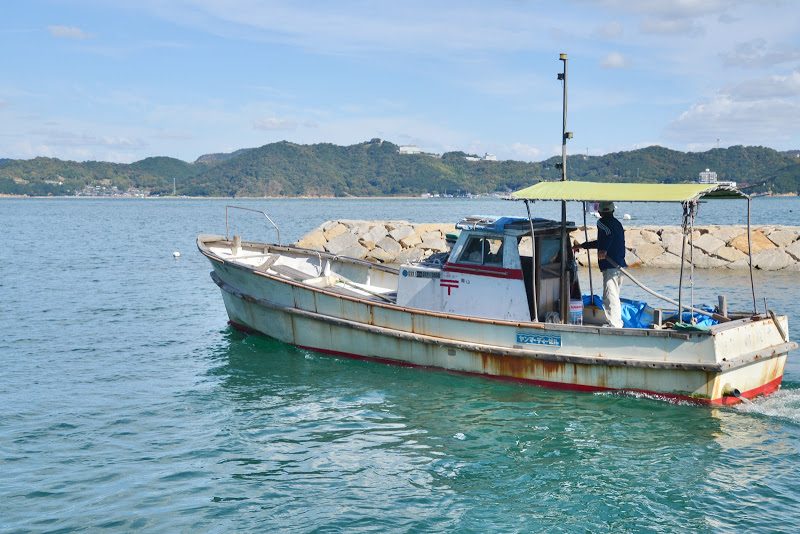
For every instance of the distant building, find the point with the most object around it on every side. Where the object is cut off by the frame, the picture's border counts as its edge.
(409, 149)
(486, 157)
(710, 177)
(707, 177)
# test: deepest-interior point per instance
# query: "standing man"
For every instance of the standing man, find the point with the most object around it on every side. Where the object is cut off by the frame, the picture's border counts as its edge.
(610, 245)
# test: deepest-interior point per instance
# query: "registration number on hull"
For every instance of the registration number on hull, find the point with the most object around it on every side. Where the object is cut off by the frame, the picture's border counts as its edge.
(528, 338)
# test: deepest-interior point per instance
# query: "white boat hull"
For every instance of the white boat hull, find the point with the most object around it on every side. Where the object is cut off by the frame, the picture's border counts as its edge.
(745, 359)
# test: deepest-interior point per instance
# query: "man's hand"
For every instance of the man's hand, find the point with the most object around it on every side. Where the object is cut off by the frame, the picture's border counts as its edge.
(576, 246)
(602, 254)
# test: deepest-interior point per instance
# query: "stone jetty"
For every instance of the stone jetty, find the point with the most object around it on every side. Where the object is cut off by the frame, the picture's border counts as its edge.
(394, 242)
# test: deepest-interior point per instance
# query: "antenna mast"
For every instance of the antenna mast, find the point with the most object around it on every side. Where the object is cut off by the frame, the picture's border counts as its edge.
(564, 133)
(566, 283)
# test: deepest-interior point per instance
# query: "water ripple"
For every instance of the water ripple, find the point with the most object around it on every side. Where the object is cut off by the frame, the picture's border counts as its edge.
(126, 403)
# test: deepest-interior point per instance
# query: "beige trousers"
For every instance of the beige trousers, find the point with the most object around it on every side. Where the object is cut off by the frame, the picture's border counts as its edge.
(612, 279)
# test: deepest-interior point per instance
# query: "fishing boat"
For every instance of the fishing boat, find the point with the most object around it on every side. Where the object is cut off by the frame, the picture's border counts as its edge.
(501, 304)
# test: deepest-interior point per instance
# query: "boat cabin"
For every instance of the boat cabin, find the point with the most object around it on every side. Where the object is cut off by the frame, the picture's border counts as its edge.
(492, 271)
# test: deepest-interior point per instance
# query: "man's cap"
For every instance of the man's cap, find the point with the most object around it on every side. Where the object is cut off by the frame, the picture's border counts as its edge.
(606, 207)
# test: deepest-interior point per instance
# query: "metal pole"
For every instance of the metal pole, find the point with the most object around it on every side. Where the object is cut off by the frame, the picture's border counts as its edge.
(564, 292)
(692, 207)
(533, 267)
(563, 77)
(588, 252)
(680, 278)
(750, 258)
(680, 282)
(565, 281)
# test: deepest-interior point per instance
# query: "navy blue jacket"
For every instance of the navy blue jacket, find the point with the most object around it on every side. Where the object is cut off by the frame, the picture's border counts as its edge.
(611, 238)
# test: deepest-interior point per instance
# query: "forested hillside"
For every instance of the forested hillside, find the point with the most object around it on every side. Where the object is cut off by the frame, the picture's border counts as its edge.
(377, 168)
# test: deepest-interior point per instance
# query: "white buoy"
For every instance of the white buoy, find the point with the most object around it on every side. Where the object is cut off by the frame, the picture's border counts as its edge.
(176, 254)
(626, 217)
(596, 214)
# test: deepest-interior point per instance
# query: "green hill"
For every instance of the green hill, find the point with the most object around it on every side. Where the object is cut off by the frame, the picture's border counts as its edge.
(745, 165)
(50, 176)
(371, 168)
(377, 168)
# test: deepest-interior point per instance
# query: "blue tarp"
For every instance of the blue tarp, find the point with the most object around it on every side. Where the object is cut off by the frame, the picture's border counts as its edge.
(637, 314)
(686, 317)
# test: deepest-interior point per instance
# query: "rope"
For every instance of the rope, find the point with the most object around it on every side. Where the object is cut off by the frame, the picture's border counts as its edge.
(633, 279)
(683, 255)
(750, 259)
(687, 224)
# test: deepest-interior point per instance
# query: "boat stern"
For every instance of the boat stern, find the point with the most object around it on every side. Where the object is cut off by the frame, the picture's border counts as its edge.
(752, 356)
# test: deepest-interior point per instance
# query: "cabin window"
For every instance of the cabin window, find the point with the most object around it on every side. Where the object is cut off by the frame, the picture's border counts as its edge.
(483, 251)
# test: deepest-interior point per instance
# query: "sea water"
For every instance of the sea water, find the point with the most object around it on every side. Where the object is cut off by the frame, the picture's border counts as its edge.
(127, 402)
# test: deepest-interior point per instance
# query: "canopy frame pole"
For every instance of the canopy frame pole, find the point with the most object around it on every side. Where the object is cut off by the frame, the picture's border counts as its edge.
(693, 211)
(534, 295)
(565, 278)
(750, 258)
(588, 253)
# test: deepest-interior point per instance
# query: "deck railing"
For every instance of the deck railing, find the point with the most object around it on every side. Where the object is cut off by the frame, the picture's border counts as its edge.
(277, 230)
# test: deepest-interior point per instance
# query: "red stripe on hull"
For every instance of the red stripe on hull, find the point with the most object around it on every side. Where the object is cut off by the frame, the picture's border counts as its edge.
(765, 389)
(483, 270)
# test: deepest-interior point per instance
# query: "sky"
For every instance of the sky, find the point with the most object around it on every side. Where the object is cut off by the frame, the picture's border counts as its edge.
(124, 80)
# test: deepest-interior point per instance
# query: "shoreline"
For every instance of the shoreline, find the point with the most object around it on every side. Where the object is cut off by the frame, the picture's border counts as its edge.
(351, 197)
(65, 197)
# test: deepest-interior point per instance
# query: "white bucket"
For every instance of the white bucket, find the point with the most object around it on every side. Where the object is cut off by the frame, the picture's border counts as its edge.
(576, 311)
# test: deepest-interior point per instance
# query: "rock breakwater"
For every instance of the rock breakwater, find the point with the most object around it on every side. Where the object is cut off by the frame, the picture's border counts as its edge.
(394, 242)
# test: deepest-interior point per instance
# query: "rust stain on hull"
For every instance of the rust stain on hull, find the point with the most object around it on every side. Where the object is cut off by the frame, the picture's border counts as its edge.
(524, 368)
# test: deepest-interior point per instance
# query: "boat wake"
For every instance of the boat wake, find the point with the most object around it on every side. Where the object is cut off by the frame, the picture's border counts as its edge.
(645, 395)
(783, 404)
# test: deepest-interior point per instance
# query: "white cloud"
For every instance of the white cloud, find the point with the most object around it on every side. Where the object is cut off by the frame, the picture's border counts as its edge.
(760, 112)
(66, 138)
(274, 123)
(26, 149)
(676, 9)
(755, 53)
(355, 28)
(667, 26)
(505, 85)
(610, 30)
(772, 87)
(67, 32)
(524, 152)
(614, 60)
(727, 18)
(678, 17)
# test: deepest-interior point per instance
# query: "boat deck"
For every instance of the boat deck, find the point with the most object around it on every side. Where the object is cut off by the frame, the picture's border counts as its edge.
(312, 268)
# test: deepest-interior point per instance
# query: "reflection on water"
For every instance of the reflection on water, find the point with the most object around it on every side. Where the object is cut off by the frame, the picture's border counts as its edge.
(475, 453)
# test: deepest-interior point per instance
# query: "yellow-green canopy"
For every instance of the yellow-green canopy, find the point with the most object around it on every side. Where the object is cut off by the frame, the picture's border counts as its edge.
(621, 192)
